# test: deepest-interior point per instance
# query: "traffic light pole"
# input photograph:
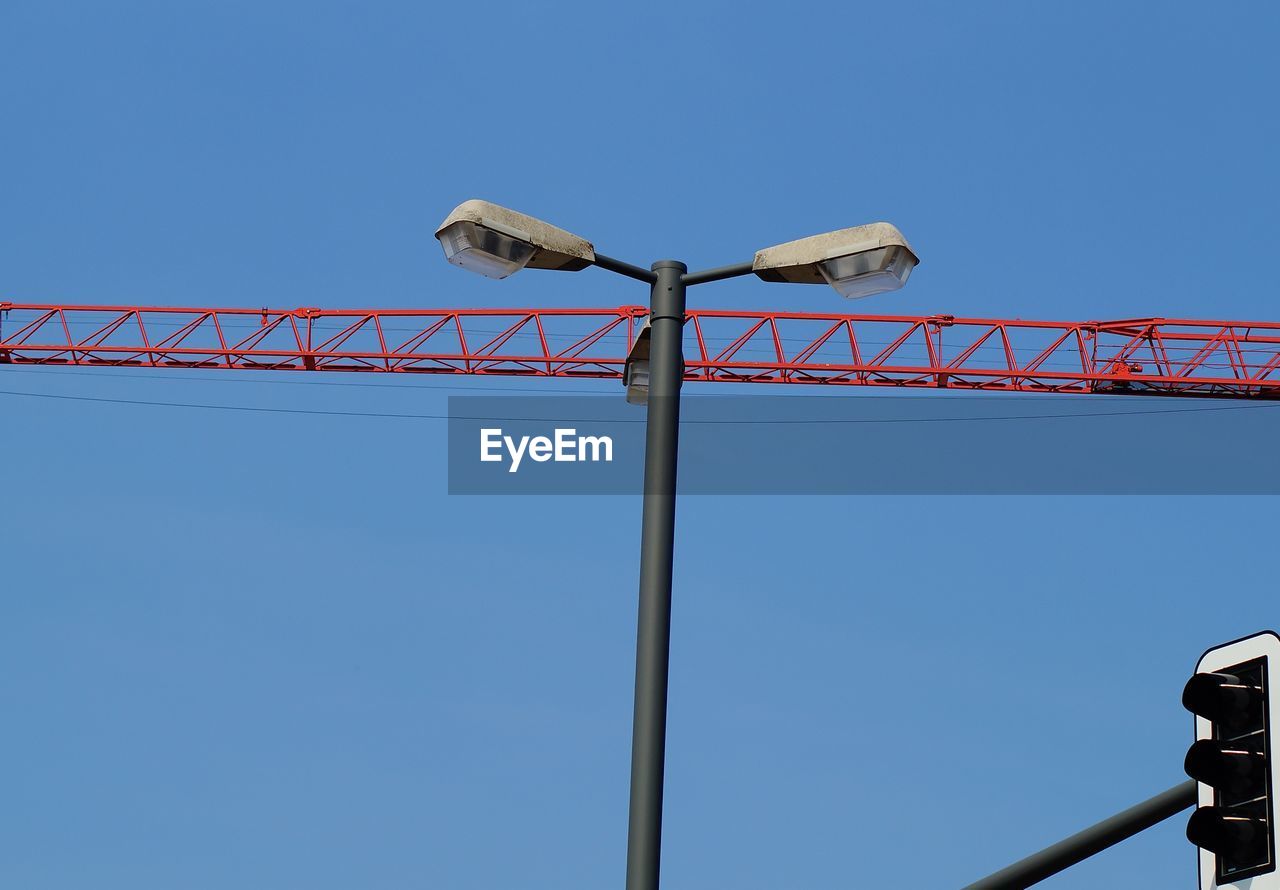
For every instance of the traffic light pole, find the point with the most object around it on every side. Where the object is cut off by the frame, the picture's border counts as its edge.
(1081, 846)
(657, 545)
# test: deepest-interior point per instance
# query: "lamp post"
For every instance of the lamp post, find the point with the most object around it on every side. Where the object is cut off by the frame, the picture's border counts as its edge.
(497, 242)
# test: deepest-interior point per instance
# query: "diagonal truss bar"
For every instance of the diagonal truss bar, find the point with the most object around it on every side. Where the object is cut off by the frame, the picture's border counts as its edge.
(1142, 356)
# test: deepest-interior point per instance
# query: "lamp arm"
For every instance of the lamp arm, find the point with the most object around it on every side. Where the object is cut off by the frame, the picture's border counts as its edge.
(719, 274)
(621, 268)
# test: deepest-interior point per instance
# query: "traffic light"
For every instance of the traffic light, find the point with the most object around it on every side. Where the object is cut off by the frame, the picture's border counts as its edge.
(1232, 697)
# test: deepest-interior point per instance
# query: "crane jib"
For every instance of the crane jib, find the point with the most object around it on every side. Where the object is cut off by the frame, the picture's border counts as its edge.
(1144, 356)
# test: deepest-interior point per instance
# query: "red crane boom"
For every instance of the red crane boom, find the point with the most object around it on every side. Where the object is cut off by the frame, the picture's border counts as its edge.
(1154, 356)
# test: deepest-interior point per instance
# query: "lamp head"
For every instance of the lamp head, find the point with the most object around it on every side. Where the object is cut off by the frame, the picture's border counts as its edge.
(857, 262)
(496, 242)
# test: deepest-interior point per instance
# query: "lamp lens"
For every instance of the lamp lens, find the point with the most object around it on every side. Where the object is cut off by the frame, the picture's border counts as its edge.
(479, 249)
(869, 272)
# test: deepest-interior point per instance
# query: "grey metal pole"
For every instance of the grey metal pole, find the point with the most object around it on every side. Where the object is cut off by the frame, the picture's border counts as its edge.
(1051, 860)
(657, 544)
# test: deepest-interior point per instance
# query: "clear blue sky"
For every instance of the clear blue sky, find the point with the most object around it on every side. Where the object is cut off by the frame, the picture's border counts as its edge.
(268, 651)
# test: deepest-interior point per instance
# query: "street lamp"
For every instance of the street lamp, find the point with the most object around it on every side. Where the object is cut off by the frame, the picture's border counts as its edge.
(857, 262)
(497, 242)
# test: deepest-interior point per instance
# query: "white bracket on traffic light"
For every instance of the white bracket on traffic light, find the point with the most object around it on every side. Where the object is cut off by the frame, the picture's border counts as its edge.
(1264, 648)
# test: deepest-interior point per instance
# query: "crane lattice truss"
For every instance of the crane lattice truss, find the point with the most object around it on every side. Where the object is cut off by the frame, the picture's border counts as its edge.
(1152, 356)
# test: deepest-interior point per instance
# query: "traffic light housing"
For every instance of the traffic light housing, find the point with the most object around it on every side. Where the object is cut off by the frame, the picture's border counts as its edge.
(1232, 695)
